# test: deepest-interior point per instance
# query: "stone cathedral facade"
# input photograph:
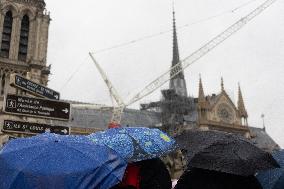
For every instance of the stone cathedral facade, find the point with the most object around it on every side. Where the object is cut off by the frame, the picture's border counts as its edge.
(23, 41)
(24, 28)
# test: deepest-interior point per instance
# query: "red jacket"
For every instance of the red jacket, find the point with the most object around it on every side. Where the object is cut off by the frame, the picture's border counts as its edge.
(132, 176)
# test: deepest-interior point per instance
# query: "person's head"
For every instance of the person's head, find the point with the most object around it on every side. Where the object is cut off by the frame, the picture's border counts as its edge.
(154, 175)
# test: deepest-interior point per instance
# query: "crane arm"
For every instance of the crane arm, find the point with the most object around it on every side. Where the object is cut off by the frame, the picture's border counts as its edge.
(110, 86)
(175, 70)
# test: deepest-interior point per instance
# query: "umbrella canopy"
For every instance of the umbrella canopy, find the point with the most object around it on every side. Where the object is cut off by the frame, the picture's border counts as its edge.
(205, 179)
(224, 152)
(273, 179)
(135, 143)
(52, 161)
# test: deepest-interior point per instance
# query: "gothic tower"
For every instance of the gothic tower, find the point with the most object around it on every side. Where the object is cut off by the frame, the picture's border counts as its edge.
(241, 107)
(177, 83)
(202, 104)
(24, 28)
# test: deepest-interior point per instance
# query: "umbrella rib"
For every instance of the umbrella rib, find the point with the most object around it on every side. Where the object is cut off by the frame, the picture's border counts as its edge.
(135, 144)
(140, 149)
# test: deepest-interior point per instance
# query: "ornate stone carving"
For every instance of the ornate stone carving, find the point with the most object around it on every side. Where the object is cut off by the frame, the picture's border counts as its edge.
(37, 3)
(225, 112)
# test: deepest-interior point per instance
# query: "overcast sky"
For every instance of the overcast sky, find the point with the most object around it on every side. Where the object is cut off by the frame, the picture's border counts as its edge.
(254, 56)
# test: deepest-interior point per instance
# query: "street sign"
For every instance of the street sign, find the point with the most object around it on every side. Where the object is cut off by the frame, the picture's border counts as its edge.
(32, 87)
(36, 107)
(33, 128)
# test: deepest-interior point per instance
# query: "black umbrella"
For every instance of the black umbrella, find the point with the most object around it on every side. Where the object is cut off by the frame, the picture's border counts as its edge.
(205, 179)
(273, 179)
(224, 152)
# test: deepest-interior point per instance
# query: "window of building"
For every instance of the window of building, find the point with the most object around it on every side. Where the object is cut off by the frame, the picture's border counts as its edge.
(6, 35)
(3, 84)
(24, 38)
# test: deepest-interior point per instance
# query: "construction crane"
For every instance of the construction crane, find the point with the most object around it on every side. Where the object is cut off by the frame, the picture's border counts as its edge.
(117, 110)
(183, 64)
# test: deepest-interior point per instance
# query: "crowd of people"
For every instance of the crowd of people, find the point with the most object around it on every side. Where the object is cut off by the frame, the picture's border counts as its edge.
(153, 174)
(229, 162)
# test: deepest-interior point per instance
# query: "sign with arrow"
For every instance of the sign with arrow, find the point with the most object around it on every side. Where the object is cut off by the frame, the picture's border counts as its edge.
(33, 88)
(33, 128)
(36, 107)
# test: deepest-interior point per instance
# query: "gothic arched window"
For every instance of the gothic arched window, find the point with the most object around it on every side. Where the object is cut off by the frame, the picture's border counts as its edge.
(24, 38)
(3, 84)
(6, 35)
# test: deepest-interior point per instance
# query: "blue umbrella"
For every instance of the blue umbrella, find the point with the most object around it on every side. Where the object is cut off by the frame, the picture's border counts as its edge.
(274, 178)
(51, 161)
(135, 143)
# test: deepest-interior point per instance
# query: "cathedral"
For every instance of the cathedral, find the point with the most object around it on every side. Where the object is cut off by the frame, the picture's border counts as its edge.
(24, 36)
(24, 26)
(180, 111)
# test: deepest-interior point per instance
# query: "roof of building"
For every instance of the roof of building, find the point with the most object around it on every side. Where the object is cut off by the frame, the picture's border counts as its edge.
(262, 140)
(99, 118)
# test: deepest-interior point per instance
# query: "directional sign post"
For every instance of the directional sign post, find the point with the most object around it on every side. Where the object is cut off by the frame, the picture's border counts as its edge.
(33, 128)
(32, 87)
(37, 107)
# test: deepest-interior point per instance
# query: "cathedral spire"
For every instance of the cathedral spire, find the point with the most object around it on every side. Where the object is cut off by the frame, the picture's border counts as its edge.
(175, 59)
(222, 84)
(201, 96)
(177, 82)
(241, 104)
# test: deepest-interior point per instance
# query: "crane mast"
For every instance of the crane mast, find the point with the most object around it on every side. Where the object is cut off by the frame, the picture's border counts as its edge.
(117, 110)
(110, 86)
(175, 70)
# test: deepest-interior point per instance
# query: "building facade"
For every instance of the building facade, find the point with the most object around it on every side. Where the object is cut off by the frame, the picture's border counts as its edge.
(218, 112)
(180, 111)
(24, 28)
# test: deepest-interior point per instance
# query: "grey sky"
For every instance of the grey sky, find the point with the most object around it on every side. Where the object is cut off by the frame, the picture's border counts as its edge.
(254, 56)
